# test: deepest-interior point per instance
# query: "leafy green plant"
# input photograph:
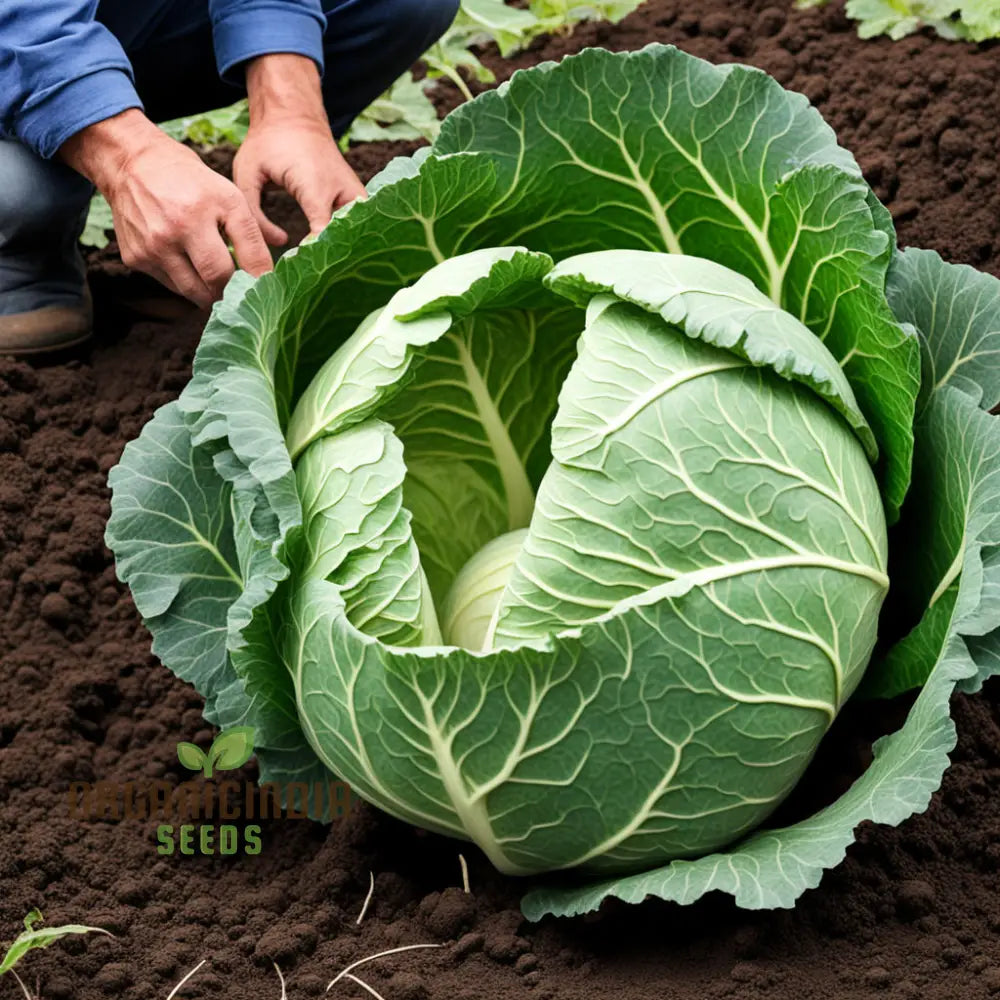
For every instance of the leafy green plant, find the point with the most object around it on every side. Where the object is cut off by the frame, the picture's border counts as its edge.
(404, 111)
(971, 20)
(551, 495)
(231, 749)
(34, 936)
(99, 223)
(553, 16)
(212, 128)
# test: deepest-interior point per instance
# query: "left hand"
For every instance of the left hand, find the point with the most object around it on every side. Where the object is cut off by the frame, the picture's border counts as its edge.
(301, 156)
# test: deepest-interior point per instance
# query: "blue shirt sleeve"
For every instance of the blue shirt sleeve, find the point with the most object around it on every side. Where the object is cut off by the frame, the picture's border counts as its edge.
(60, 71)
(245, 29)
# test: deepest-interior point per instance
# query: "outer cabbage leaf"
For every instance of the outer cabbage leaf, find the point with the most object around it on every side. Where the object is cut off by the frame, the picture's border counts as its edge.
(955, 513)
(678, 152)
(172, 530)
(711, 303)
(956, 312)
(772, 868)
(630, 725)
(675, 460)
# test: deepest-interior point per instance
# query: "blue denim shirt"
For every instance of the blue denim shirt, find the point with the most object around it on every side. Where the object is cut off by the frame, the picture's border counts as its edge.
(63, 63)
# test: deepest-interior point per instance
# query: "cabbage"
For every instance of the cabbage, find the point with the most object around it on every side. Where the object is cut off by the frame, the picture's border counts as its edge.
(551, 497)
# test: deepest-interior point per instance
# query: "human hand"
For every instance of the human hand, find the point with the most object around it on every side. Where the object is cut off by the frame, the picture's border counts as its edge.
(172, 213)
(301, 156)
(290, 143)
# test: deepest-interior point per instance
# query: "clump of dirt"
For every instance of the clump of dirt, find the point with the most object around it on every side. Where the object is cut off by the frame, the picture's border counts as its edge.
(910, 913)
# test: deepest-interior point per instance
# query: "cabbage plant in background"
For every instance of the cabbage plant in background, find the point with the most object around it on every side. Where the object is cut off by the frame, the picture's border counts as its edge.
(552, 497)
(967, 20)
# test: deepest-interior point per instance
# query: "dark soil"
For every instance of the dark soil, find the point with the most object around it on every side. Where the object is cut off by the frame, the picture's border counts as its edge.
(912, 912)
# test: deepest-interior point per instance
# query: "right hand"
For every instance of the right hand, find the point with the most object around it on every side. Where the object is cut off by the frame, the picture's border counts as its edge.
(173, 215)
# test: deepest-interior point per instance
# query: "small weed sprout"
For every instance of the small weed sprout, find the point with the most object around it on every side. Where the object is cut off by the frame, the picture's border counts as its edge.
(346, 973)
(368, 898)
(367, 987)
(39, 937)
(281, 979)
(174, 992)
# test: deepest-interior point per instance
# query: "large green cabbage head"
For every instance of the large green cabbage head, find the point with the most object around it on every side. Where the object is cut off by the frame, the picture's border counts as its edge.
(544, 497)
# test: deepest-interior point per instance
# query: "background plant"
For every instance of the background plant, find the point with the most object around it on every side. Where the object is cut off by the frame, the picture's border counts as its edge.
(968, 20)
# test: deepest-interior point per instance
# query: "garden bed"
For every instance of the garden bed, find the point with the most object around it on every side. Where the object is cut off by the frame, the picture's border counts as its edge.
(911, 912)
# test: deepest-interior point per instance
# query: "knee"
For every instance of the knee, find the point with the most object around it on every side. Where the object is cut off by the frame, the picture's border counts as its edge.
(35, 194)
(412, 23)
(434, 16)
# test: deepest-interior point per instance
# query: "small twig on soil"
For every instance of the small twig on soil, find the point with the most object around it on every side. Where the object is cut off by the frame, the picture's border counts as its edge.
(284, 993)
(177, 988)
(465, 874)
(371, 958)
(368, 989)
(368, 898)
(20, 982)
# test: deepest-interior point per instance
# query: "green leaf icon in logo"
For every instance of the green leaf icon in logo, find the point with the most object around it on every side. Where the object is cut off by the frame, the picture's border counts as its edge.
(231, 749)
(191, 757)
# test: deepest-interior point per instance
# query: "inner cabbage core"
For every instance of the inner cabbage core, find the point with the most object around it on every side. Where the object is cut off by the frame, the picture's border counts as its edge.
(475, 424)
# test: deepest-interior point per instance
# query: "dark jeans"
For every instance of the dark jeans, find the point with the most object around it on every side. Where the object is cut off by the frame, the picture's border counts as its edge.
(43, 203)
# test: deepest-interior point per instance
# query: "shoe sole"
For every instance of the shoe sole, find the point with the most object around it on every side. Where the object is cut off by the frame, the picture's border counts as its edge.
(18, 352)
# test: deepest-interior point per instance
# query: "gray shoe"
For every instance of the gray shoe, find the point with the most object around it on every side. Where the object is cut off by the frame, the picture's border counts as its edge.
(51, 328)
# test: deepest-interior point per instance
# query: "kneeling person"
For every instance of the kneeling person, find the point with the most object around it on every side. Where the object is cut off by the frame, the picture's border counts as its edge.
(81, 83)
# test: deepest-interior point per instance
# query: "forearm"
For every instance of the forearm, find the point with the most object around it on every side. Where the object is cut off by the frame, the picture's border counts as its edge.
(101, 152)
(60, 71)
(284, 87)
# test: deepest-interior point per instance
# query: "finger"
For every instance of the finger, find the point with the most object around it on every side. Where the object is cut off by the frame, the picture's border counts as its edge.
(318, 210)
(179, 275)
(353, 190)
(252, 187)
(210, 258)
(248, 241)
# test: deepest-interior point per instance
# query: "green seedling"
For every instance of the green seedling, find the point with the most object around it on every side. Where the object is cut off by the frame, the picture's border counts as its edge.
(39, 937)
(231, 749)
